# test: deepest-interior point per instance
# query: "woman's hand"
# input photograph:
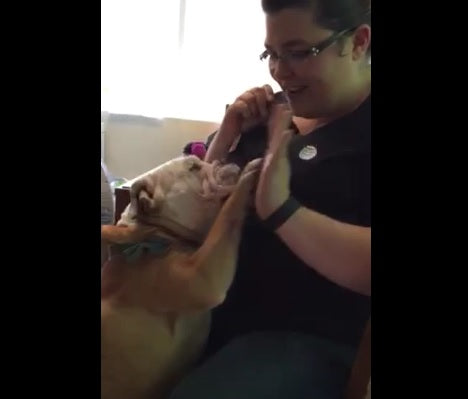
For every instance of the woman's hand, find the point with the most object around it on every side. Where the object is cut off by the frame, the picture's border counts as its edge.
(249, 109)
(273, 185)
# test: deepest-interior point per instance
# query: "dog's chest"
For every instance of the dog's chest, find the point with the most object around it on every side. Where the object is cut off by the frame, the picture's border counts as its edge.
(141, 356)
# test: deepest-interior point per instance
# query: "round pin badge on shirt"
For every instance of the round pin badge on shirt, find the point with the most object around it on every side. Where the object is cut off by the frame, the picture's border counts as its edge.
(308, 152)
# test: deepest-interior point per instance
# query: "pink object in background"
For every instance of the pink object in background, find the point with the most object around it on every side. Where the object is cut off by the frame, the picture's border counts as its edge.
(198, 149)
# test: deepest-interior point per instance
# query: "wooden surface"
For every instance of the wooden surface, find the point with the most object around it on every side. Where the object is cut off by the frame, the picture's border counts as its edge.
(122, 199)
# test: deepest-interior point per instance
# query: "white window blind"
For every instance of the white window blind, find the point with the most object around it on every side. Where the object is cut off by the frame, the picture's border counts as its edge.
(148, 68)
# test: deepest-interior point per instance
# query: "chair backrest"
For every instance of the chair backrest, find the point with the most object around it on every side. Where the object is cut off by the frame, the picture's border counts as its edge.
(359, 379)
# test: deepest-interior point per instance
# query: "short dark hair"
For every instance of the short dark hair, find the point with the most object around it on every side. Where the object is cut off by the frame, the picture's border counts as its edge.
(336, 15)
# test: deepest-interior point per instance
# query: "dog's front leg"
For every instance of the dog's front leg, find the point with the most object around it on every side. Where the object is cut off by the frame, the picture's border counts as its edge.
(214, 263)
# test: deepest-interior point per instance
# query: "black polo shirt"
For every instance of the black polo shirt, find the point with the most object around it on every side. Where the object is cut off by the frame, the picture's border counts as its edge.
(273, 289)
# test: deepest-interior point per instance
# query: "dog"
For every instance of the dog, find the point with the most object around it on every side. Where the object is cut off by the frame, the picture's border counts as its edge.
(173, 259)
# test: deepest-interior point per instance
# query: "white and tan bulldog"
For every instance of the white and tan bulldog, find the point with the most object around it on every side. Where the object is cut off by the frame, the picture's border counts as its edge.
(173, 259)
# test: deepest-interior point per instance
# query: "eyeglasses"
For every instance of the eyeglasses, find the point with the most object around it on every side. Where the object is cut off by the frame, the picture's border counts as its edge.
(297, 56)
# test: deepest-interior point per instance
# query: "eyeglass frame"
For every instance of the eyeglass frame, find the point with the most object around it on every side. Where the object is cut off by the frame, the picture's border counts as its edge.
(314, 50)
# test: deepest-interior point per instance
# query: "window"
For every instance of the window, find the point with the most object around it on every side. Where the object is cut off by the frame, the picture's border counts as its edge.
(184, 59)
(138, 45)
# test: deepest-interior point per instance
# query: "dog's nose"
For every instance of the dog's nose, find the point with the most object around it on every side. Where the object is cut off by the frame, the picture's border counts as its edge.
(144, 202)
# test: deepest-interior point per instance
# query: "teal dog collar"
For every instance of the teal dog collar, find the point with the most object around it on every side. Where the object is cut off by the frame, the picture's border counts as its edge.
(134, 251)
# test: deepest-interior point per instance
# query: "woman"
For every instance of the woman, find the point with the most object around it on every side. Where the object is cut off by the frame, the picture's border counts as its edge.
(293, 318)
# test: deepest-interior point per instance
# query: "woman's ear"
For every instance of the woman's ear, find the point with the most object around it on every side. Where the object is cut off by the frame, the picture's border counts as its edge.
(361, 41)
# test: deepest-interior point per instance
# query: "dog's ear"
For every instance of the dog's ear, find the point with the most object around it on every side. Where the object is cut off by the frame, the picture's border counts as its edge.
(146, 196)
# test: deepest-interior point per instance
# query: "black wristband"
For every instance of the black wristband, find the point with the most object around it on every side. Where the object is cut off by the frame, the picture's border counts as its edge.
(283, 213)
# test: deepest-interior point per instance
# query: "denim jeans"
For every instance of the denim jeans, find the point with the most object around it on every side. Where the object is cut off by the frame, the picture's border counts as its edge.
(271, 365)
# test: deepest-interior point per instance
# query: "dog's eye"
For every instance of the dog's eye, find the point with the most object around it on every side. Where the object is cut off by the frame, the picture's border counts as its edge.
(195, 167)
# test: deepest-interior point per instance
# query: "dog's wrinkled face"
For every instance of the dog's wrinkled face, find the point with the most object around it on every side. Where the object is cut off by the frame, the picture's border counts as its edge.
(183, 195)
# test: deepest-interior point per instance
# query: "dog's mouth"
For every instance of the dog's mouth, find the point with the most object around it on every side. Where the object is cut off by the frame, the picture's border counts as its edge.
(219, 180)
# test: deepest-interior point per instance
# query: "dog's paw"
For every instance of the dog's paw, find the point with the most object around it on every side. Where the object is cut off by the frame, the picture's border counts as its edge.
(249, 175)
(253, 166)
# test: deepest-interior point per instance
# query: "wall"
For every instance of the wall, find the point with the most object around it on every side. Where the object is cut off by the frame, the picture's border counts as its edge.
(134, 144)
